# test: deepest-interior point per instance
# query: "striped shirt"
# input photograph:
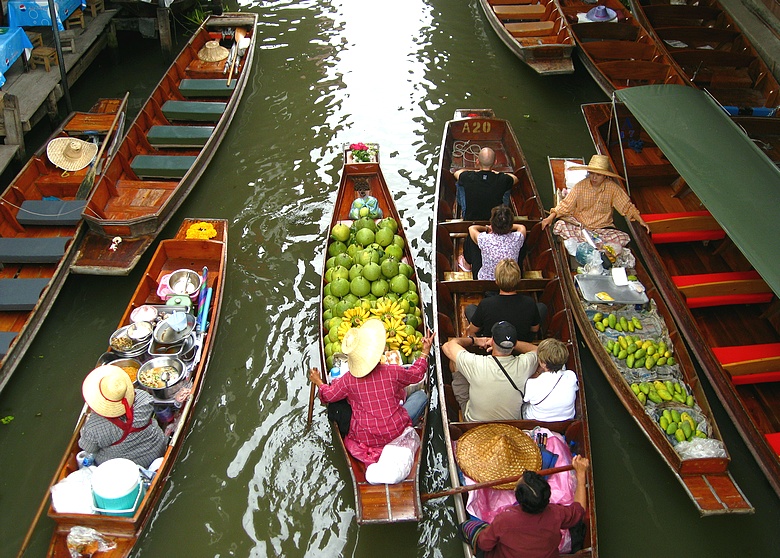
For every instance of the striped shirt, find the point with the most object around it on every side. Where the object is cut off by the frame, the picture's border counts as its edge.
(592, 207)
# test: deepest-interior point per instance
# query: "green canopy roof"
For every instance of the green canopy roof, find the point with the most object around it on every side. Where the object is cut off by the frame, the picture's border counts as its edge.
(732, 177)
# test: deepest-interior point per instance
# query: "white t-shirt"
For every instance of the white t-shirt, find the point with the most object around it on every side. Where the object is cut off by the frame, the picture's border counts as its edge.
(491, 396)
(551, 396)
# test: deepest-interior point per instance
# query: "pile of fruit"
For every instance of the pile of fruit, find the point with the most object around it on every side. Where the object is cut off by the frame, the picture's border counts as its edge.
(680, 425)
(620, 324)
(659, 391)
(365, 278)
(639, 353)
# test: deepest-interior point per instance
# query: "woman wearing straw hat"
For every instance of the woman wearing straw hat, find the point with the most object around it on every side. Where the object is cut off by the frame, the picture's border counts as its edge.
(122, 420)
(375, 391)
(589, 205)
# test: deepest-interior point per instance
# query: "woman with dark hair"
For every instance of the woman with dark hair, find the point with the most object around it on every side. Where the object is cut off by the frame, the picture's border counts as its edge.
(500, 240)
(531, 529)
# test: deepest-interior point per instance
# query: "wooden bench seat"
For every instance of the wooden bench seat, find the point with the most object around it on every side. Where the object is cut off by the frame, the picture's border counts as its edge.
(530, 28)
(51, 212)
(33, 250)
(6, 338)
(206, 87)
(750, 364)
(162, 166)
(635, 70)
(692, 226)
(179, 136)
(193, 111)
(508, 13)
(720, 289)
(20, 295)
(774, 440)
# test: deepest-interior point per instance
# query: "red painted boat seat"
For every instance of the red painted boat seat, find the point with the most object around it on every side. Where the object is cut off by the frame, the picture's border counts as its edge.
(719, 289)
(691, 226)
(750, 364)
(774, 441)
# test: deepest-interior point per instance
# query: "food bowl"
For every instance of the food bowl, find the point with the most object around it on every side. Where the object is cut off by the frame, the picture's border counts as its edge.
(184, 349)
(139, 331)
(163, 376)
(145, 313)
(184, 282)
(129, 365)
(123, 345)
(166, 335)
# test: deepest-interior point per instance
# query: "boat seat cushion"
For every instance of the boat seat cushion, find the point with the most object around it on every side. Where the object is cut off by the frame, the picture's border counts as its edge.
(750, 364)
(51, 212)
(162, 166)
(6, 338)
(720, 289)
(206, 87)
(179, 136)
(193, 111)
(514, 12)
(774, 441)
(20, 295)
(530, 28)
(691, 226)
(33, 250)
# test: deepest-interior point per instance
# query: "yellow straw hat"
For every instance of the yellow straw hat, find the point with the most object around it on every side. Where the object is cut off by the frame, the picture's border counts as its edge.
(364, 347)
(71, 154)
(212, 51)
(494, 451)
(105, 387)
(600, 165)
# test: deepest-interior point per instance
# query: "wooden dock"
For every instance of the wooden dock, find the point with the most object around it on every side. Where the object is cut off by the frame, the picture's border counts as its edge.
(29, 95)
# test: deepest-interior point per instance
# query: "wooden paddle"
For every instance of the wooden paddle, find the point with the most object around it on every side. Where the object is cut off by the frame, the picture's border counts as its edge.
(312, 393)
(240, 34)
(89, 180)
(489, 484)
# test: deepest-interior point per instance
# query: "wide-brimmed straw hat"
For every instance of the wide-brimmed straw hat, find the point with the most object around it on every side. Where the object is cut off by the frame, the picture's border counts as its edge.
(71, 154)
(212, 51)
(601, 13)
(364, 347)
(600, 165)
(494, 451)
(105, 387)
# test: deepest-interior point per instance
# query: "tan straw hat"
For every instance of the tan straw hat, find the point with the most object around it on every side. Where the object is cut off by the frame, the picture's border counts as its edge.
(494, 451)
(600, 165)
(213, 52)
(105, 387)
(364, 347)
(71, 154)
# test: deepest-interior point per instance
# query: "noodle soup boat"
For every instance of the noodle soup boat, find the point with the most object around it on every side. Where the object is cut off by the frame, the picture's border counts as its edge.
(41, 227)
(380, 503)
(706, 479)
(472, 130)
(167, 148)
(171, 255)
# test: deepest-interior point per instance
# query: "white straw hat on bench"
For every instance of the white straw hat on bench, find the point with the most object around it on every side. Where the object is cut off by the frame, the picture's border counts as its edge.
(71, 154)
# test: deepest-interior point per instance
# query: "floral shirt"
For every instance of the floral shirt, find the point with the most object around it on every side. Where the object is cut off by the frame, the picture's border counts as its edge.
(497, 247)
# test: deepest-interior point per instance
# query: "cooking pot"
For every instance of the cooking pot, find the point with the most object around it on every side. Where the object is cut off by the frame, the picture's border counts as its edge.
(173, 384)
(165, 334)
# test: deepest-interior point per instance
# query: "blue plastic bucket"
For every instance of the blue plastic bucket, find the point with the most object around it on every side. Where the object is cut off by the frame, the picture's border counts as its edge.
(117, 488)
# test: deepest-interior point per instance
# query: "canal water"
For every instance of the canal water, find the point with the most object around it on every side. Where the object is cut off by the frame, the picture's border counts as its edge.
(251, 479)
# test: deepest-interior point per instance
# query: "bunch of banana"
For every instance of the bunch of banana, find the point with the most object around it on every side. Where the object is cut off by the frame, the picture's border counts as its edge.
(679, 425)
(411, 344)
(659, 391)
(621, 324)
(395, 330)
(640, 353)
(386, 308)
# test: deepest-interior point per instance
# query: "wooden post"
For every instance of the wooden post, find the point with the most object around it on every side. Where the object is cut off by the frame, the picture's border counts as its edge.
(164, 27)
(12, 118)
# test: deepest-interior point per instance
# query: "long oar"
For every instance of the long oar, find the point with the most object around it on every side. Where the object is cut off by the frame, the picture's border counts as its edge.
(488, 484)
(239, 34)
(312, 393)
(89, 180)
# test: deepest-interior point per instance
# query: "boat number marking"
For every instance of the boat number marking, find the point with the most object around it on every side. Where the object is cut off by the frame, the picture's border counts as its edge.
(476, 127)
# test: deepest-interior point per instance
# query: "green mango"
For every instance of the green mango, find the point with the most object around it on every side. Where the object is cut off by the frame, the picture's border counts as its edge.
(680, 435)
(671, 428)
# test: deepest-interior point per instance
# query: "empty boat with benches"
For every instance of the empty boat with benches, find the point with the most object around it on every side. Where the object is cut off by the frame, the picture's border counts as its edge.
(710, 196)
(40, 227)
(168, 146)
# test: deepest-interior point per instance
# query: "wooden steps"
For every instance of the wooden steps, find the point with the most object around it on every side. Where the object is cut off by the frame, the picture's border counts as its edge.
(750, 364)
(689, 226)
(719, 289)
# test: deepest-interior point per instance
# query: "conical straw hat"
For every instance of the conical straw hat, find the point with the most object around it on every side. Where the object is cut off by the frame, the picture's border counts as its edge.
(364, 347)
(71, 154)
(213, 52)
(494, 451)
(598, 164)
(105, 388)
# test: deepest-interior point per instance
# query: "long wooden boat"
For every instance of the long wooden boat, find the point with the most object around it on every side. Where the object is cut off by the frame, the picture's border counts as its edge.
(535, 32)
(374, 503)
(711, 253)
(706, 479)
(472, 130)
(712, 52)
(171, 255)
(620, 53)
(40, 225)
(166, 149)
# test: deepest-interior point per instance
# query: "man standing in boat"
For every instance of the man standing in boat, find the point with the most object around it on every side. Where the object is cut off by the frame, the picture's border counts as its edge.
(477, 193)
(589, 206)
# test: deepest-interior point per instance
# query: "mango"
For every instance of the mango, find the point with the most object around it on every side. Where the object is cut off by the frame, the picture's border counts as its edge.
(630, 361)
(680, 435)
(631, 348)
(609, 345)
(616, 350)
(622, 355)
(700, 434)
(669, 386)
(666, 413)
(661, 361)
(623, 322)
(678, 388)
(642, 398)
(598, 316)
(664, 422)
(654, 397)
(689, 400)
(644, 387)
(670, 361)
(619, 328)
(676, 417)
(639, 362)
(635, 389)
(649, 363)
(600, 327)
(640, 353)
(663, 394)
(679, 397)
(612, 320)
(671, 428)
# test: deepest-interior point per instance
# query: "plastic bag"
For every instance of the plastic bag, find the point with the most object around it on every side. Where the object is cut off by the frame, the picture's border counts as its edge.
(85, 541)
(699, 448)
(396, 460)
(590, 258)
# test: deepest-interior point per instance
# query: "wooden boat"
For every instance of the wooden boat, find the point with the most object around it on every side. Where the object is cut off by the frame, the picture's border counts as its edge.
(166, 149)
(621, 53)
(382, 503)
(712, 52)
(174, 254)
(535, 33)
(472, 130)
(40, 236)
(706, 479)
(711, 253)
